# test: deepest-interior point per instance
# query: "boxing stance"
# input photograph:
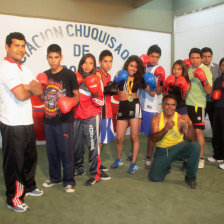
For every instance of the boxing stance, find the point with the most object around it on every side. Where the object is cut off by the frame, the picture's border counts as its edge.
(201, 84)
(106, 123)
(149, 97)
(179, 84)
(17, 84)
(129, 80)
(87, 119)
(60, 96)
(167, 130)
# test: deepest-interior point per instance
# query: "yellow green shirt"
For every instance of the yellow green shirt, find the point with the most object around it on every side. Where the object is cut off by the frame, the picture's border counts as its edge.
(197, 95)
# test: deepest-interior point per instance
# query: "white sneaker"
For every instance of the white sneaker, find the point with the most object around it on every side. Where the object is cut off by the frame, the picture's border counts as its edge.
(213, 160)
(49, 183)
(18, 208)
(36, 193)
(69, 189)
(148, 163)
(201, 164)
(221, 166)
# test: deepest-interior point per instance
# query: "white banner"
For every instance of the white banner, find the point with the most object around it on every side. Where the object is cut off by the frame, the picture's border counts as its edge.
(77, 39)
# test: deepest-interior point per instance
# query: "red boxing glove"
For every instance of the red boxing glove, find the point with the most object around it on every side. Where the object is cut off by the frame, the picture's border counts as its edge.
(160, 72)
(93, 83)
(66, 103)
(169, 81)
(187, 62)
(182, 84)
(79, 78)
(42, 78)
(200, 74)
(216, 95)
(145, 59)
(223, 84)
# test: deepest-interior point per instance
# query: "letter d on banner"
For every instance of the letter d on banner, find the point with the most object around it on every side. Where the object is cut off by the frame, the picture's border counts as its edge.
(77, 50)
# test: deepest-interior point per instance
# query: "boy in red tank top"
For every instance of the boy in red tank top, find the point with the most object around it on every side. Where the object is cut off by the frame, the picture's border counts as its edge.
(106, 125)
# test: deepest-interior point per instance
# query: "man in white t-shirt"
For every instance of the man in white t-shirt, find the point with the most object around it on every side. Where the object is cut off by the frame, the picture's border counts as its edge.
(17, 84)
(151, 100)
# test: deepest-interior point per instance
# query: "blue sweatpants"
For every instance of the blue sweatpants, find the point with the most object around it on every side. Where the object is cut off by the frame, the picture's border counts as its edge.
(59, 142)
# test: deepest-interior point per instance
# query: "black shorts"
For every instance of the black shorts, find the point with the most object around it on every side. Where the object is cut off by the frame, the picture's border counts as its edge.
(129, 110)
(197, 116)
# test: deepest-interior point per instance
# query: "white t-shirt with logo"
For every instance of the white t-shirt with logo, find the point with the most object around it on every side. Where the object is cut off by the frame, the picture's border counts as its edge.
(14, 112)
(150, 103)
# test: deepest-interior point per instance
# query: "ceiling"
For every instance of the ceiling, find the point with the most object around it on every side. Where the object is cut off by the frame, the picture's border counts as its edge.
(138, 3)
(131, 3)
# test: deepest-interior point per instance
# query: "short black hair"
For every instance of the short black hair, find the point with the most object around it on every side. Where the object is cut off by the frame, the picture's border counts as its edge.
(172, 96)
(154, 49)
(194, 50)
(206, 49)
(105, 53)
(14, 35)
(54, 48)
(221, 61)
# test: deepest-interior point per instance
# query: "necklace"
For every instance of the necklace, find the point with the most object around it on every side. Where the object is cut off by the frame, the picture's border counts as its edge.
(130, 85)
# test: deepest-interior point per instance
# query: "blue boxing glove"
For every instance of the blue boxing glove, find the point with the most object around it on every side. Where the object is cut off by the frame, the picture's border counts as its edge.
(150, 80)
(121, 76)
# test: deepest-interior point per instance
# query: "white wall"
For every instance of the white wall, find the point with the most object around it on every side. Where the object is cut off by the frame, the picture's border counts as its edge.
(200, 29)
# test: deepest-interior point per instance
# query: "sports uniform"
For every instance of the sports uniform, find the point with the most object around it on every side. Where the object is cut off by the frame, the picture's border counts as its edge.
(106, 124)
(18, 138)
(170, 148)
(150, 105)
(128, 110)
(59, 127)
(196, 100)
(86, 129)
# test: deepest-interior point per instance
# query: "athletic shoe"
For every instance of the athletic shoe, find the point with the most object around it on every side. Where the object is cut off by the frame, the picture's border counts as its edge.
(213, 160)
(190, 182)
(132, 168)
(49, 183)
(18, 208)
(25, 205)
(221, 166)
(148, 163)
(117, 163)
(130, 156)
(79, 172)
(104, 176)
(103, 168)
(201, 164)
(69, 189)
(91, 181)
(35, 193)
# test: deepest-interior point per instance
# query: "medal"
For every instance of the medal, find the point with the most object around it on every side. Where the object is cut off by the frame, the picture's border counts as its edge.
(130, 98)
(130, 85)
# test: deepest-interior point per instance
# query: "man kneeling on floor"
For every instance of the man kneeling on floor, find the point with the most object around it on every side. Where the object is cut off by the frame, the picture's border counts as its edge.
(167, 131)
